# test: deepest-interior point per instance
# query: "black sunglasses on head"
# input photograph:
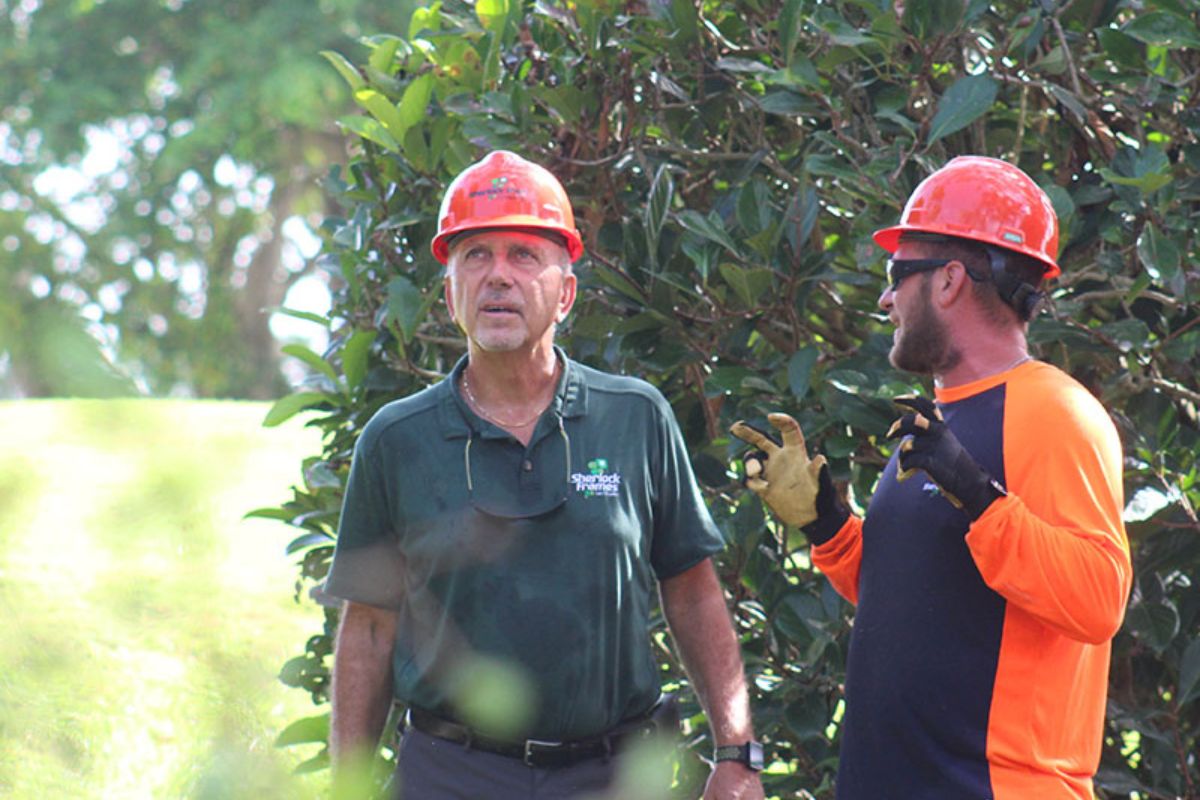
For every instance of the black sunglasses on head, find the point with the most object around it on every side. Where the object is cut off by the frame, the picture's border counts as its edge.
(900, 268)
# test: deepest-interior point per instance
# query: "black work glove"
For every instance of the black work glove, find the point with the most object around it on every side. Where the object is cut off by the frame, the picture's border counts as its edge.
(927, 444)
(832, 513)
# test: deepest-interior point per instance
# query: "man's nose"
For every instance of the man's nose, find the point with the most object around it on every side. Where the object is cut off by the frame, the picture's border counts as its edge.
(501, 270)
(886, 298)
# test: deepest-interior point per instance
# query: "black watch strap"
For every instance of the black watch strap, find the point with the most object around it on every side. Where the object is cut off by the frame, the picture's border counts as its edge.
(749, 754)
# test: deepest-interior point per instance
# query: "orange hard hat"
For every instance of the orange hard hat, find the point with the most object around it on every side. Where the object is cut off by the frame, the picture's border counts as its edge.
(503, 190)
(986, 200)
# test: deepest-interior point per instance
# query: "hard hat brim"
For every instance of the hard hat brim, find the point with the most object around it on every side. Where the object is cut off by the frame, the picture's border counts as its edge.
(889, 240)
(441, 243)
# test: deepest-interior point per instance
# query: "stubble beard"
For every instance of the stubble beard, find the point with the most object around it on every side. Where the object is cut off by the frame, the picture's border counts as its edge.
(504, 341)
(924, 345)
(507, 340)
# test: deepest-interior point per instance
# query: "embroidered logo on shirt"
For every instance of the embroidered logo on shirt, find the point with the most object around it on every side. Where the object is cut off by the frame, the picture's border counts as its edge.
(932, 489)
(597, 481)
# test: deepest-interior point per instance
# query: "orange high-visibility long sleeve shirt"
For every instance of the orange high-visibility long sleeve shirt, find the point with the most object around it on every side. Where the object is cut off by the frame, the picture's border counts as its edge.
(979, 656)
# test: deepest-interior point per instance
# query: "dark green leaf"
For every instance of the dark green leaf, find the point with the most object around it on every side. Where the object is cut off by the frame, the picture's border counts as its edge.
(800, 74)
(1189, 673)
(355, 355)
(405, 305)
(346, 69)
(738, 280)
(732, 64)
(834, 166)
(1157, 253)
(492, 14)
(963, 103)
(305, 315)
(383, 53)
(791, 23)
(1162, 29)
(1154, 623)
(808, 718)
(413, 103)
(704, 256)
(639, 322)
(382, 109)
(619, 282)
(709, 227)
(930, 18)
(658, 205)
(801, 217)
(1140, 284)
(1121, 48)
(370, 129)
(799, 370)
(710, 470)
(839, 31)
(1129, 335)
(1147, 183)
(1069, 101)
(754, 210)
(686, 19)
(281, 514)
(295, 670)
(318, 475)
(306, 541)
(785, 103)
(312, 359)
(304, 731)
(287, 407)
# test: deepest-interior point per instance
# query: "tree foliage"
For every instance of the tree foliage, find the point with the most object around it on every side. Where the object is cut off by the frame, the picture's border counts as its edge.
(727, 163)
(150, 155)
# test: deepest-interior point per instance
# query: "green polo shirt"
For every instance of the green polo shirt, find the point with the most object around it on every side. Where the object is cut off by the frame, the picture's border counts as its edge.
(564, 594)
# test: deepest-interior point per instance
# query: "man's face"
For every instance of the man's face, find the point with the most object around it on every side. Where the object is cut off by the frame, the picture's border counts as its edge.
(508, 290)
(921, 342)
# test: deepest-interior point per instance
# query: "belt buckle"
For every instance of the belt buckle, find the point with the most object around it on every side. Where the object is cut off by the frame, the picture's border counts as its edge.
(534, 746)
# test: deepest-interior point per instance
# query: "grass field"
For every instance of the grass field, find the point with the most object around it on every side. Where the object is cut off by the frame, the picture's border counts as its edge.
(144, 621)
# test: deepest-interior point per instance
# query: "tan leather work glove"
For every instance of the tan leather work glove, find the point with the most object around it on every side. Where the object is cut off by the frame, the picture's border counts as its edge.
(786, 479)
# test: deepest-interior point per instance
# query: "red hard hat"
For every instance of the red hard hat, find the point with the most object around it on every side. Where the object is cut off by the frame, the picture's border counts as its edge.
(503, 190)
(984, 199)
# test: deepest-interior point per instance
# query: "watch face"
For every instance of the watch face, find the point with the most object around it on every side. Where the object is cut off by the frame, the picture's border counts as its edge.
(754, 756)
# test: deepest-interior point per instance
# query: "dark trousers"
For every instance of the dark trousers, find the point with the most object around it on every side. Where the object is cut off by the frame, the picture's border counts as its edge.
(435, 769)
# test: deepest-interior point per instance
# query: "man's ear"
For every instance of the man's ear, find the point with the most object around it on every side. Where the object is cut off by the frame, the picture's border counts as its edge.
(949, 284)
(566, 298)
(448, 295)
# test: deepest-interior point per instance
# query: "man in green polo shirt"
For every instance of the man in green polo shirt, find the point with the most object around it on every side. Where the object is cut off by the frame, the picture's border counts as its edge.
(514, 520)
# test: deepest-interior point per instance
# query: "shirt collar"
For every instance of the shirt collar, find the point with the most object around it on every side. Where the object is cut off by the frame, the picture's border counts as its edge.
(457, 421)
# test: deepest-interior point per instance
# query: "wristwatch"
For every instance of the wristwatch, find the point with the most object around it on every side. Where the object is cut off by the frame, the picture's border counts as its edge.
(749, 754)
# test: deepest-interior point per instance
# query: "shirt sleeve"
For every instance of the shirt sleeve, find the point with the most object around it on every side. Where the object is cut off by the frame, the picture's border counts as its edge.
(840, 558)
(1056, 546)
(684, 531)
(367, 563)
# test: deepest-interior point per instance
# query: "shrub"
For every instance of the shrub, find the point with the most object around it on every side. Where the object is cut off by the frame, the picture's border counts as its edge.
(727, 163)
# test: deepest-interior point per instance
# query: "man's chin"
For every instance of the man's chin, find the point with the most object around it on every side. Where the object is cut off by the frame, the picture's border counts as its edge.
(909, 362)
(499, 344)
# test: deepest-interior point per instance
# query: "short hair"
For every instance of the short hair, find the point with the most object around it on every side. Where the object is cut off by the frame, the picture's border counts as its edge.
(1004, 281)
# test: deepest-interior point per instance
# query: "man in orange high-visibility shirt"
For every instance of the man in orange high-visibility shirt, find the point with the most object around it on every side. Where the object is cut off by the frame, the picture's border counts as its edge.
(991, 569)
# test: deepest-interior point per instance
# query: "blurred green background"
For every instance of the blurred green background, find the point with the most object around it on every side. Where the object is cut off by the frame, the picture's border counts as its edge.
(144, 619)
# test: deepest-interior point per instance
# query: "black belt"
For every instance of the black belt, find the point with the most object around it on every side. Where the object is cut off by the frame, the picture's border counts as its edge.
(532, 752)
